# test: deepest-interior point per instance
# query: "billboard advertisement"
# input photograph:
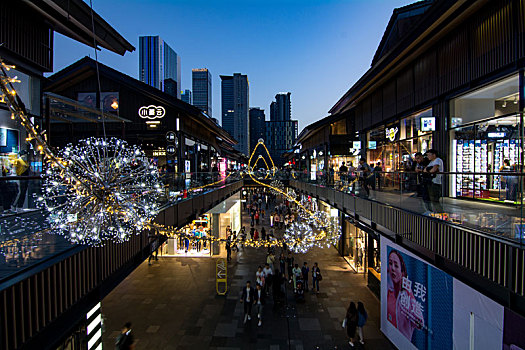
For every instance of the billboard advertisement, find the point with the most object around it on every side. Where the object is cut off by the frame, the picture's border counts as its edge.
(423, 307)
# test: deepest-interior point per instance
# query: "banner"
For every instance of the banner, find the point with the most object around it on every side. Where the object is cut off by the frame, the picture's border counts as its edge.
(423, 307)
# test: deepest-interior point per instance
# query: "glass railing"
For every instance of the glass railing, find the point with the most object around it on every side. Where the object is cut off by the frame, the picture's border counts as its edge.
(24, 236)
(487, 202)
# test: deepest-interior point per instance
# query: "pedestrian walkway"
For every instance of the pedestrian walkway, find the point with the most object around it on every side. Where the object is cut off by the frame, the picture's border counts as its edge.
(173, 305)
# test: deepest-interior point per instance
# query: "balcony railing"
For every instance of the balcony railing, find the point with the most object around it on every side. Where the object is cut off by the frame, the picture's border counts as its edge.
(25, 238)
(487, 202)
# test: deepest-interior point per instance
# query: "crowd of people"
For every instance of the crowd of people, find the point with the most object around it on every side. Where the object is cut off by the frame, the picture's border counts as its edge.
(422, 174)
(272, 279)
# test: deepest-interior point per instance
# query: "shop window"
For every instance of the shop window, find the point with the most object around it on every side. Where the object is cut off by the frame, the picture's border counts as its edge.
(485, 136)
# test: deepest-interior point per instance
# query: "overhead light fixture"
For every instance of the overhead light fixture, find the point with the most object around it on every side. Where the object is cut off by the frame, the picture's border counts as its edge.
(504, 104)
(516, 100)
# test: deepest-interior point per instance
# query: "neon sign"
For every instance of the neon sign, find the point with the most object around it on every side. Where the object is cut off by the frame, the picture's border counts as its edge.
(152, 112)
(391, 133)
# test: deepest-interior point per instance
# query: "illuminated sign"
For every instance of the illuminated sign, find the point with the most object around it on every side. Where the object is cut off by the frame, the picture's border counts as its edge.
(356, 145)
(372, 144)
(428, 124)
(496, 135)
(391, 133)
(170, 149)
(152, 112)
(170, 136)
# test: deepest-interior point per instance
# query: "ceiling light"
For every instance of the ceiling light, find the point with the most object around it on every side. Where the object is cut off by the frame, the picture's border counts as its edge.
(504, 104)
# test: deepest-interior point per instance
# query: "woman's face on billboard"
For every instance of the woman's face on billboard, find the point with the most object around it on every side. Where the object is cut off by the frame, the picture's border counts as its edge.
(394, 268)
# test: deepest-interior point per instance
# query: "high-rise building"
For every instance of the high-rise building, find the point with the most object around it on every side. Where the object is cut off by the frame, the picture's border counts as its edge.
(170, 87)
(201, 86)
(281, 108)
(186, 96)
(281, 130)
(158, 62)
(257, 126)
(235, 101)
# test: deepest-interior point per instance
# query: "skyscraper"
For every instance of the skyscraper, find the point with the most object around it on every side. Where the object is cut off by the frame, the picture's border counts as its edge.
(281, 108)
(281, 130)
(158, 62)
(186, 96)
(257, 126)
(201, 86)
(235, 102)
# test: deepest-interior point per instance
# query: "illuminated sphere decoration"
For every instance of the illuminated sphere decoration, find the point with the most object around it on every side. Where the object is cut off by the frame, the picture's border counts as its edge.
(276, 184)
(101, 191)
(313, 229)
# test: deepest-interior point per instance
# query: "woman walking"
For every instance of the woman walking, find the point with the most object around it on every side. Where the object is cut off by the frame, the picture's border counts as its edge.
(350, 322)
(361, 321)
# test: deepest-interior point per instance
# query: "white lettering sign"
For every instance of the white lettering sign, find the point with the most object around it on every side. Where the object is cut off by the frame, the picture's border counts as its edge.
(152, 112)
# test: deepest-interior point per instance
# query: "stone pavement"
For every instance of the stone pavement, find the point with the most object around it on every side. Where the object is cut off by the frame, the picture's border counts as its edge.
(173, 305)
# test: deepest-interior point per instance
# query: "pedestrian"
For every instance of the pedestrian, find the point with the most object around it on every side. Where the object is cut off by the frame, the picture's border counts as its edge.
(296, 272)
(282, 262)
(316, 277)
(377, 171)
(270, 259)
(289, 262)
(305, 271)
(276, 285)
(259, 275)
(125, 339)
(262, 213)
(260, 298)
(350, 322)
(257, 217)
(276, 220)
(434, 168)
(248, 299)
(361, 321)
(268, 277)
(366, 176)
(252, 215)
(256, 235)
(228, 249)
(271, 219)
(263, 234)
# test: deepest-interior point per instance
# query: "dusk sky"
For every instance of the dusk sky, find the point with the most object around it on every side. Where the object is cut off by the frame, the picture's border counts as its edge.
(314, 49)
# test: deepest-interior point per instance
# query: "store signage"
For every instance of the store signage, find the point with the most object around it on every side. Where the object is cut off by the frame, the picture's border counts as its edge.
(152, 112)
(170, 149)
(372, 144)
(496, 135)
(428, 124)
(391, 133)
(356, 144)
(187, 166)
(171, 136)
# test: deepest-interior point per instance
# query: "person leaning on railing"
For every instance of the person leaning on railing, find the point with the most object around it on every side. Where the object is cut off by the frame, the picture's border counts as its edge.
(435, 167)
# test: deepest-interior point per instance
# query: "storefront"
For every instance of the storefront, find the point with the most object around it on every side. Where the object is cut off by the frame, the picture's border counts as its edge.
(361, 249)
(486, 139)
(393, 145)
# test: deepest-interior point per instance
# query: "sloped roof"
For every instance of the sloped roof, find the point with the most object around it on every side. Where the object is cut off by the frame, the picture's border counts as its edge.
(403, 19)
(72, 18)
(86, 66)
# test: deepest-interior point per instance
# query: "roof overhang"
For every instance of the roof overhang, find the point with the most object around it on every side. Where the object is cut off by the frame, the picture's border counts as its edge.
(72, 18)
(449, 15)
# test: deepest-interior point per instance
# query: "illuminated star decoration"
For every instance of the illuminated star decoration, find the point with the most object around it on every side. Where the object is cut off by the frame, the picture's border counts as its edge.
(102, 191)
(276, 184)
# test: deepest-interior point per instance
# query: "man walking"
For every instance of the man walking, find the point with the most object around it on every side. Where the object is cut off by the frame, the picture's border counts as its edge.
(248, 298)
(305, 270)
(260, 300)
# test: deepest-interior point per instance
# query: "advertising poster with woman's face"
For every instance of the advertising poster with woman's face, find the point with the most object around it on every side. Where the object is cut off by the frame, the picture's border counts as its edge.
(415, 318)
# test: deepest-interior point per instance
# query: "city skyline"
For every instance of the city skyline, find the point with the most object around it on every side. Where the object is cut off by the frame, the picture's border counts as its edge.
(320, 40)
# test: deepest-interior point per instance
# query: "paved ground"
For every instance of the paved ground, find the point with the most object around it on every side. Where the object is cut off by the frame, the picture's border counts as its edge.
(173, 305)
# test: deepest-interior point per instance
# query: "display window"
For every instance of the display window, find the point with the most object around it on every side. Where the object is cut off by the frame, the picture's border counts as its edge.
(392, 146)
(355, 247)
(486, 142)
